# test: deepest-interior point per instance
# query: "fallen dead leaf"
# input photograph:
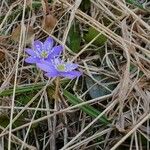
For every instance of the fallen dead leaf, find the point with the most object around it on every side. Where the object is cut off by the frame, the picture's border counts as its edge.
(2, 56)
(49, 23)
(4, 38)
(15, 36)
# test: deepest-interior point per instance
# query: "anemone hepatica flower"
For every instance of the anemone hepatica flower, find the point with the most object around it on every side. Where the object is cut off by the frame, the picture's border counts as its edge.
(59, 68)
(43, 51)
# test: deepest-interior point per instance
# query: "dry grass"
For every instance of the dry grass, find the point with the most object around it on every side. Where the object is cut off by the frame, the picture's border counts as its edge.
(48, 124)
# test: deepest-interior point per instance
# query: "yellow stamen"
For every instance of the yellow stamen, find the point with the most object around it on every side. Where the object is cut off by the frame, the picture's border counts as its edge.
(61, 67)
(44, 54)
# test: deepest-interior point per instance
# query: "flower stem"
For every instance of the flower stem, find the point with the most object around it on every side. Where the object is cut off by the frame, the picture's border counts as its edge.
(57, 83)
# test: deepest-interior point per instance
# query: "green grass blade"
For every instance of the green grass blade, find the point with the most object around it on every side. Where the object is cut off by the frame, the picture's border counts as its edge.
(22, 89)
(91, 111)
(28, 88)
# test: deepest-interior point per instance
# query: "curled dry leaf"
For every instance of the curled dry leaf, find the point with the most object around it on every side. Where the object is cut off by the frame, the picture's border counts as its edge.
(49, 23)
(2, 56)
(15, 35)
(4, 38)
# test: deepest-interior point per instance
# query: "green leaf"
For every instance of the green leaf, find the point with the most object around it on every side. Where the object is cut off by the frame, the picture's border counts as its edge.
(97, 90)
(92, 33)
(4, 120)
(134, 69)
(85, 5)
(74, 38)
(24, 98)
(91, 111)
(136, 3)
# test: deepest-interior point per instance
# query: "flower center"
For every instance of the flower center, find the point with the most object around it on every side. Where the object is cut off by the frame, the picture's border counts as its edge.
(44, 54)
(61, 67)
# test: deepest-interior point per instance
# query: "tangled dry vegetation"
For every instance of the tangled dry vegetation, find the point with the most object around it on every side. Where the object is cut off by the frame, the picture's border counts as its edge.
(110, 40)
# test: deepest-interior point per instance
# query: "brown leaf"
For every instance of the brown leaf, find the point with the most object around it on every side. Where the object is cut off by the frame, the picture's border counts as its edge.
(15, 35)
(49, 23)
(2, 56)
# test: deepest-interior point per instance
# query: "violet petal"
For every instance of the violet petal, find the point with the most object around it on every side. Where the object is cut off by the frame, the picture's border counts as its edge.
(30, 52)
(56, 51)
(71, 74)
(71, 66)
(46, 67)
(38, 46)
(32, 60)
(48, 44)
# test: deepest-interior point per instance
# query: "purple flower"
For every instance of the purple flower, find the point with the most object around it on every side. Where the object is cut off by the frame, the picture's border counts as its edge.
(43, 51)
(59, 68)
